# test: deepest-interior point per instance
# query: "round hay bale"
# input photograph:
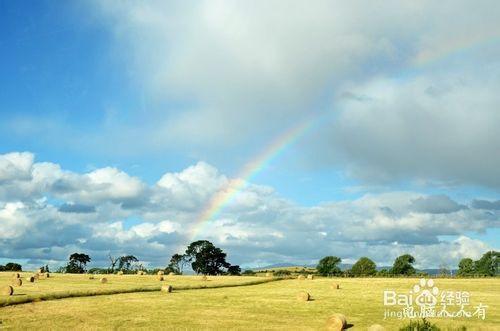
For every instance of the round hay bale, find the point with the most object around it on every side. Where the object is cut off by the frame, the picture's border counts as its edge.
(311, 277)
(40, 271)
(16, 275)
(7, 290)
(166, 288)
(17, 282)
(161, 273)
(336, 322)
(335, 286)
(161, 279)
(376, 327)
(91, 277)
(301, 277)
(103, 280)
(120, 272)
(36, 276)
(171, 274)
(30, 279)
(303, 296)
(268, 274)
(42, 276)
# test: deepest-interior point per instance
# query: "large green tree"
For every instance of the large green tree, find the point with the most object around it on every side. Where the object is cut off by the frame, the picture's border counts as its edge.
(466, 267)
(327, 266)
(125, 262)
(364, 267)
(176, 264)
(488, 264)
(206, 259)
(403, 265)
(77, 263)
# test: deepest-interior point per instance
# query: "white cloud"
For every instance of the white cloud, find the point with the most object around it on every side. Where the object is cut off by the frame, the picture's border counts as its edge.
(257, 226)
(15, 166)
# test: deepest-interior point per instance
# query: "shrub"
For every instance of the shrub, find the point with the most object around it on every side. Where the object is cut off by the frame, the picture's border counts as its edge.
(420, 326)
(248, 273)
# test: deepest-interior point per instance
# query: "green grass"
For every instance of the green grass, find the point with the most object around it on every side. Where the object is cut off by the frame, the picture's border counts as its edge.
(271, 306)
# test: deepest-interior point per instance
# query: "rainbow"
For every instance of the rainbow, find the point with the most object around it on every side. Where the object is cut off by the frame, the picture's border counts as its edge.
(227, 194)
(458, 46)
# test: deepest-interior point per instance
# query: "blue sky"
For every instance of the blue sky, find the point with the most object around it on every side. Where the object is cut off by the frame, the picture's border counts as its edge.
(144, 111)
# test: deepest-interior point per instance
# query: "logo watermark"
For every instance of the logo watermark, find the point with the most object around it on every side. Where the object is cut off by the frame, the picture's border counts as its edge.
(426, 300)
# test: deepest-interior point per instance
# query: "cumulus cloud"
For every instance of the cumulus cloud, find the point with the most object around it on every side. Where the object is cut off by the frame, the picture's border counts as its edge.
(257, 227)
(15, 166)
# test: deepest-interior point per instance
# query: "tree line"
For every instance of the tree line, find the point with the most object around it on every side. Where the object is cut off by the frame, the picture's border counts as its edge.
(487, 265)
(203, 257)
(207, 259)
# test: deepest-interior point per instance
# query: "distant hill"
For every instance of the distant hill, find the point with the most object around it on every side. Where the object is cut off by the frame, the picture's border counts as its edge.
(295, 266)
(343, 267)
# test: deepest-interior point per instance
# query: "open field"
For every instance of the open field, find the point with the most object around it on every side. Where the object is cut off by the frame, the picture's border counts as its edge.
(265, 306)
(68, 285)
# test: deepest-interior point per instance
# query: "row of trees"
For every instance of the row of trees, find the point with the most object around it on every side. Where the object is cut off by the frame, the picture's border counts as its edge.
(487, 265)
(205, 258)
(11, 266)
(202, 255)
(77, 264)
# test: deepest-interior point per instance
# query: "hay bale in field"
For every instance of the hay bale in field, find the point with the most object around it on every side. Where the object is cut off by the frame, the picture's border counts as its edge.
(311, 277)
(166, 288)
(303, 296)
(7, 290)
(42, 276)
(103, 280)
(268, 274)
(171, 274)
(16, 275)
(141, 273)
(36, 276)
(204, 278)
(335, 286)
(30, 279)
(336, 322)
(17, 282)
(161, 279)
(91, 277)
(120, 272)
(301, 277)
(161, 273)
(47, 275)
(376, 327)
(40, 271)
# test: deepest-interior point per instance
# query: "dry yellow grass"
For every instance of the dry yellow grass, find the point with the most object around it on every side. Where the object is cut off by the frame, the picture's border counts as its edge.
(272, 306)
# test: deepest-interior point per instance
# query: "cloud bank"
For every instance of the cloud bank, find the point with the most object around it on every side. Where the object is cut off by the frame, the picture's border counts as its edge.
(47, 213)
(408, 93)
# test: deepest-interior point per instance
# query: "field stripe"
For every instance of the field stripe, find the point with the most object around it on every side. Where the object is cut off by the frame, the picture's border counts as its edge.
(17, 300)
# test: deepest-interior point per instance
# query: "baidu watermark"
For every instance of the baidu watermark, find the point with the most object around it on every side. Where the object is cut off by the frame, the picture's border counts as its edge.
(425, 300)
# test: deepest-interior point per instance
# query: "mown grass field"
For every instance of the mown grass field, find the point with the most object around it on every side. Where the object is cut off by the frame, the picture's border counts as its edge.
(271, 306)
